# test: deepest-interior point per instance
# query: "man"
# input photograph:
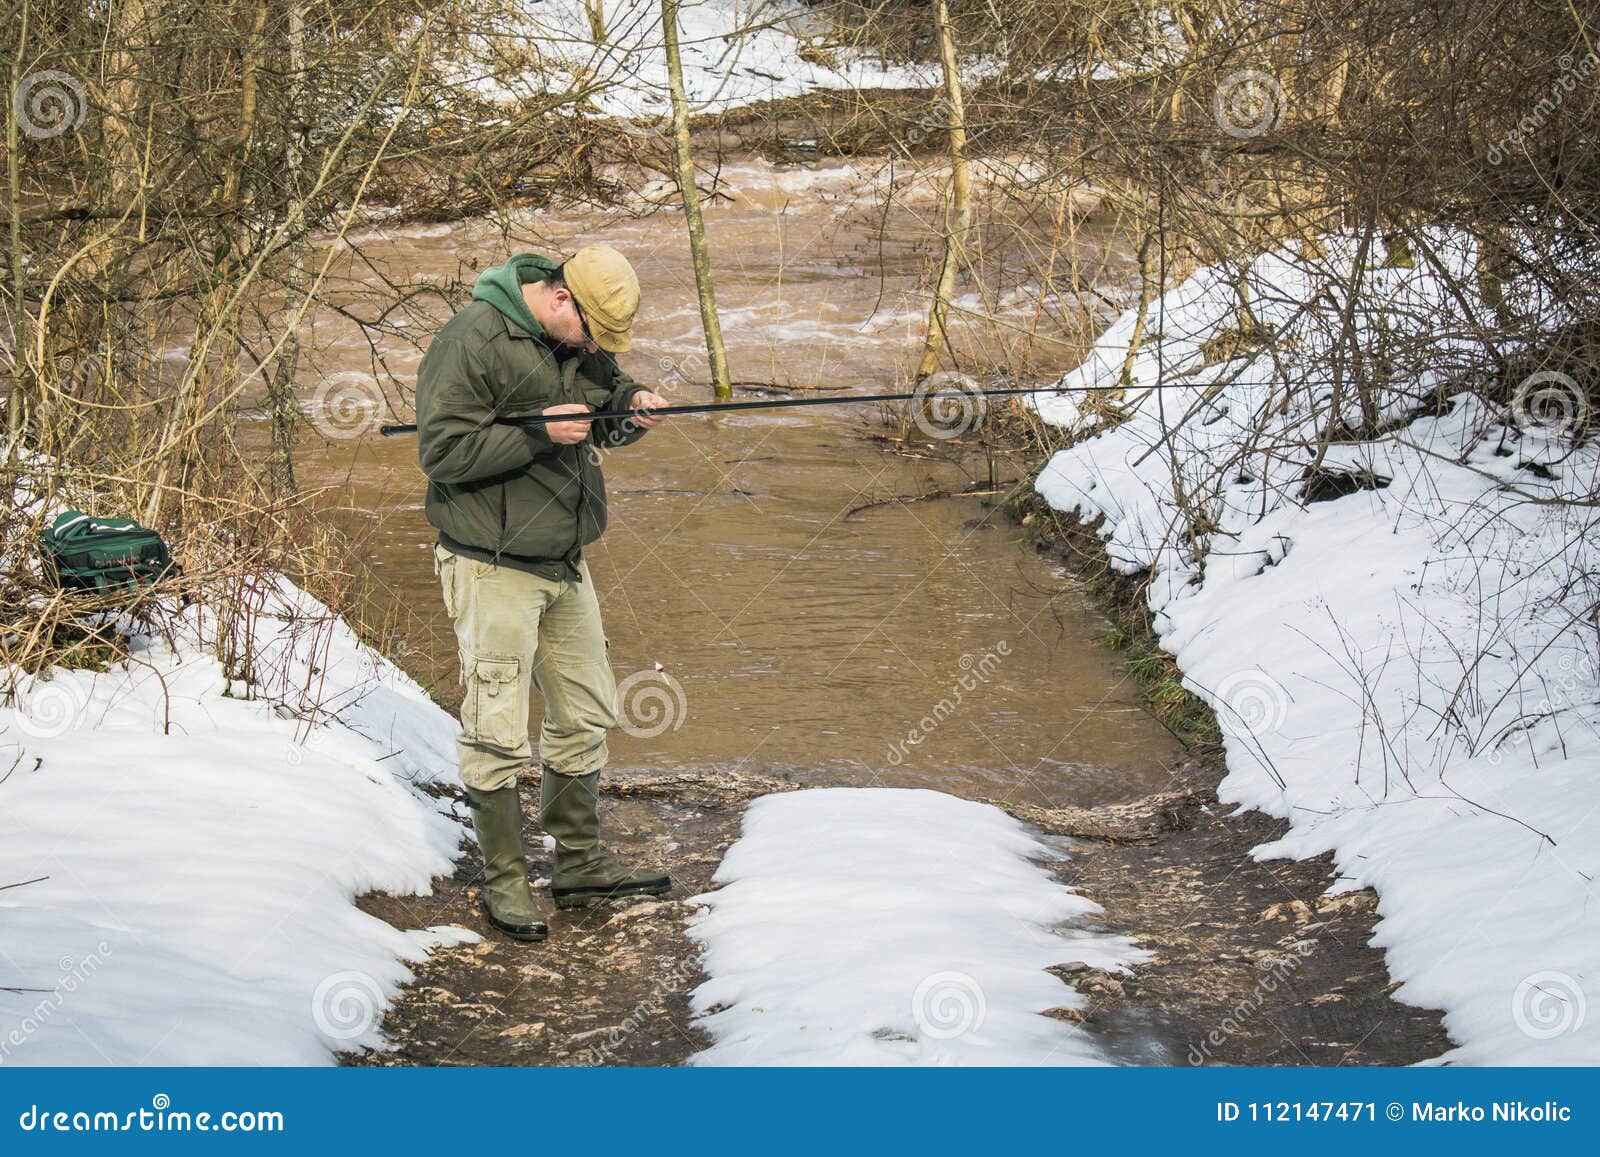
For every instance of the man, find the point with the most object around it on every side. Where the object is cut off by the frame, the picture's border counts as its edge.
(515, 506)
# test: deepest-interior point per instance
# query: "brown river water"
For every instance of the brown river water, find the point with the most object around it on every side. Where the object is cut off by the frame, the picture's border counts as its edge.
(909, 644)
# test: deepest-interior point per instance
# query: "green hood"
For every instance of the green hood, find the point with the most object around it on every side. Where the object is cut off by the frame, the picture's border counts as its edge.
(501, 286)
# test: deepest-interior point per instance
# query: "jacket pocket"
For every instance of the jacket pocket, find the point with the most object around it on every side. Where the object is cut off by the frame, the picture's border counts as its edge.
(470, 514)
(540, 507)
(498, 706)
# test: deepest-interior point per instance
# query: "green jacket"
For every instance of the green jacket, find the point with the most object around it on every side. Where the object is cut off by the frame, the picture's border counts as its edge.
(502, 493)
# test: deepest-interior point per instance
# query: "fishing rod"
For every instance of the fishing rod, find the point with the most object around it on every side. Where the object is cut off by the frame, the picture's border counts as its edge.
(766, 404)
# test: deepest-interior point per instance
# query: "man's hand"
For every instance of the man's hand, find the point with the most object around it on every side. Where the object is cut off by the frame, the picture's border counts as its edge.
(568, 433)
(643, 402)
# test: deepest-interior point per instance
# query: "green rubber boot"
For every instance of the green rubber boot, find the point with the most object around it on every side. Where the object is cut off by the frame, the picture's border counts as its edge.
(506, 899)
(569, 806)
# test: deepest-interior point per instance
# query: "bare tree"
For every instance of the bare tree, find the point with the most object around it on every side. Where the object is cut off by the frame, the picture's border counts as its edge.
(958, 215)
(721, 381)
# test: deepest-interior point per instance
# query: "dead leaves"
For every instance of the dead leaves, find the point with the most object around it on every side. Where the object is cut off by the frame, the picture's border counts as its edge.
(1302, 913)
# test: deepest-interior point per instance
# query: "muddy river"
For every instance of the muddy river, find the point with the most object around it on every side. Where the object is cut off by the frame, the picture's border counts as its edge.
(903, 644)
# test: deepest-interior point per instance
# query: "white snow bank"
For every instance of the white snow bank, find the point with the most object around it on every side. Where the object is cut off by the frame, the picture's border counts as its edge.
(195, 852)
(890, 927)
(733, 52)
(1405, 673)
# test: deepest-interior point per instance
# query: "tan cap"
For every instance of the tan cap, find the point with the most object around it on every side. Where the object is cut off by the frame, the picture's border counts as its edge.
(607, 290)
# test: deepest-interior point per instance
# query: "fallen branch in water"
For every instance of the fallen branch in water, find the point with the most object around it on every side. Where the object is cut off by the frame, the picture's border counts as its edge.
(937, 492)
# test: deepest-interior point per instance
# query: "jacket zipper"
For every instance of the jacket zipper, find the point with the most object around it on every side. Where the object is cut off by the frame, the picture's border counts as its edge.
(583, 490)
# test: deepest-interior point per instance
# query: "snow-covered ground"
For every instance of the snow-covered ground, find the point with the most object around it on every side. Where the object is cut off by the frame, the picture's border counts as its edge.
(1406, 673)
(180, 859)
(733, 52)
(875, 926)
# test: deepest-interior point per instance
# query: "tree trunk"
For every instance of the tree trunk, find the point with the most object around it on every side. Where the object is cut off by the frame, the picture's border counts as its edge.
(721, 382)
(1492, 268)
(959, 215)
(1147, 291)
(217, 318)
(18, 401)
(280, 387)
(249, 92)
(118, 125)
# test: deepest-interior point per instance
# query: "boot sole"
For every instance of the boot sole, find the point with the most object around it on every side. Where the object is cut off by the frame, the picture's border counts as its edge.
(583, 897)
(527, 933)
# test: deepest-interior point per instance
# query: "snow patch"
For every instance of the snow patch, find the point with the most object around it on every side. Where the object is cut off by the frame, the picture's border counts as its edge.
(733, 52)
(878, 926)
(193, 844)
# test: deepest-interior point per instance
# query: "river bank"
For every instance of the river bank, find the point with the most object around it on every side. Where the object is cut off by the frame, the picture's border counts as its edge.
(1254, 964)
(1386, 599)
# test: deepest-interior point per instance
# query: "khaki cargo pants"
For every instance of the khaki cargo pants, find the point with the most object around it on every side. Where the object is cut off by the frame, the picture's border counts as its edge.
(514, 629)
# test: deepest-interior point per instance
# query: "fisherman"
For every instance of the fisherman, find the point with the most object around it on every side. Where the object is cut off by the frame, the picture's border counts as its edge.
(515, 506)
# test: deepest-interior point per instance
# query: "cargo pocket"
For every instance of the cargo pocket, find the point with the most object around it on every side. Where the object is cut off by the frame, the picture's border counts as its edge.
(499, 709)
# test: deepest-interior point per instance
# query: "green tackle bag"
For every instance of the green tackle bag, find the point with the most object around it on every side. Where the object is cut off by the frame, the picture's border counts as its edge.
(102, 554)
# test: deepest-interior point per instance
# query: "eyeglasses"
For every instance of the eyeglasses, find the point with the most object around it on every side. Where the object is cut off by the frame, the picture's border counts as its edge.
(582, 321)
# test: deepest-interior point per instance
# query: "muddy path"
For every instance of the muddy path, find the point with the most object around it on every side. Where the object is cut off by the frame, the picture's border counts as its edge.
(1253, 964)
(611, 986)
